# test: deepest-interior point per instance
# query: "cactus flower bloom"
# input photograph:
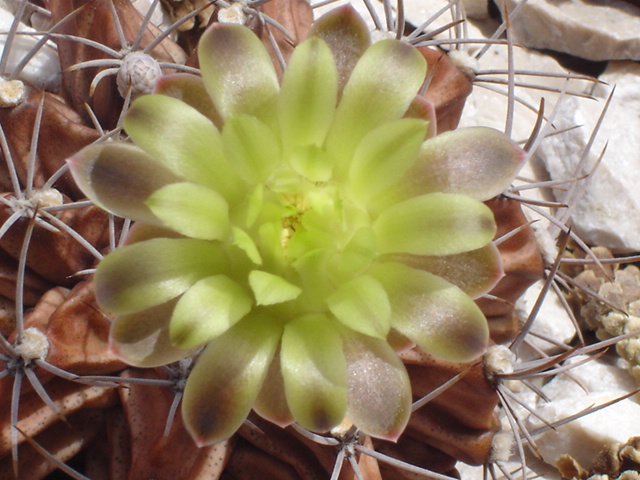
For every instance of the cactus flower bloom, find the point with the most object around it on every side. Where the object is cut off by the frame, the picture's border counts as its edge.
(294, 234)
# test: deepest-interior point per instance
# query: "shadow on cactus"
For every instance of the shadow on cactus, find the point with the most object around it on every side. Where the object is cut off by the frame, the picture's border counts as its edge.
(287, 231)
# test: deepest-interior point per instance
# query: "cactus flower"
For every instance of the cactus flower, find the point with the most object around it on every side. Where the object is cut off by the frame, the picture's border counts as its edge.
(294, 234)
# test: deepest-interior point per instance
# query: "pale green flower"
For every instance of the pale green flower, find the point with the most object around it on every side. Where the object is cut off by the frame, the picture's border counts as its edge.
(299, 231)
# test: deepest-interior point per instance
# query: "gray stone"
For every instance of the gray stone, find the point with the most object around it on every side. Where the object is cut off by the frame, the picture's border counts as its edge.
(605, 209)
(43, 70)
(602, 30)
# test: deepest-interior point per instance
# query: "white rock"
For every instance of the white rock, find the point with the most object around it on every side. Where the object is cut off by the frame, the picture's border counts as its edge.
(593, 377)
(602, 211)
(476, 8)
(593, 383)
(603, 30)
(536, 470)
(419, 11)
(9, 5)
(525, 395)
(43, 70)
(552, 320)
(159, 17)
(585, 437)
(488, 108)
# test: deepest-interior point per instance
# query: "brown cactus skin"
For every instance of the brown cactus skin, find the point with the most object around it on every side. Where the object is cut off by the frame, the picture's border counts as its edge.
(83, 407)
(56, 256)
(145, 410)
(523, 265)
(448, 88)
(34, 285)
(95, 21)
(62, 127)
(7, 316)
(78, 333)
(458, 424)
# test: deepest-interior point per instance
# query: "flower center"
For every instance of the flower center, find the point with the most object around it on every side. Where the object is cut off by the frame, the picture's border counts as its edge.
(299, 204)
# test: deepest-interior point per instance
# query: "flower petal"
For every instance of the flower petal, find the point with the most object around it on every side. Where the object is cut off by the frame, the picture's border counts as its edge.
(316, 284)
(434, 313)
(381, 87)
(314, 372)
(184, 140)
(119, 177)
(311, 162)
(434, 224)
(308, 95)
(270, 289)
(271, 403)
(251, 147)
(362, 305)
(379, 389)
(208, 309)
(383, 156)
(192, 210)
(475, 272)
(347, 35)
(139, 232)
(189, 89)
(142, 338)
(423, 109)
(237, 71)
(227, 378)
(478, 162)
(152, 272)
(244, 242)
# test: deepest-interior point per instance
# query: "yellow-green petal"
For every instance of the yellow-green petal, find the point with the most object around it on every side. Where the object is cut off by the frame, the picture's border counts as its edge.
(475, 272)
(189, 88)
(191, 210)
(142, 339)
(308, 95)
(311, 162)
(270, 289)
(183, 140)
(434, 224)
(347, 35)
(362, 305)
(271, 402)
(244, 242)
(434, 313)
(380, 90)
(378, 384)
(479, 162)
(119, 177)
(251, 148)
(152, 272)
(237, 71)
(208, 309)
(227, 377)
(314, 372)
(383, 156)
